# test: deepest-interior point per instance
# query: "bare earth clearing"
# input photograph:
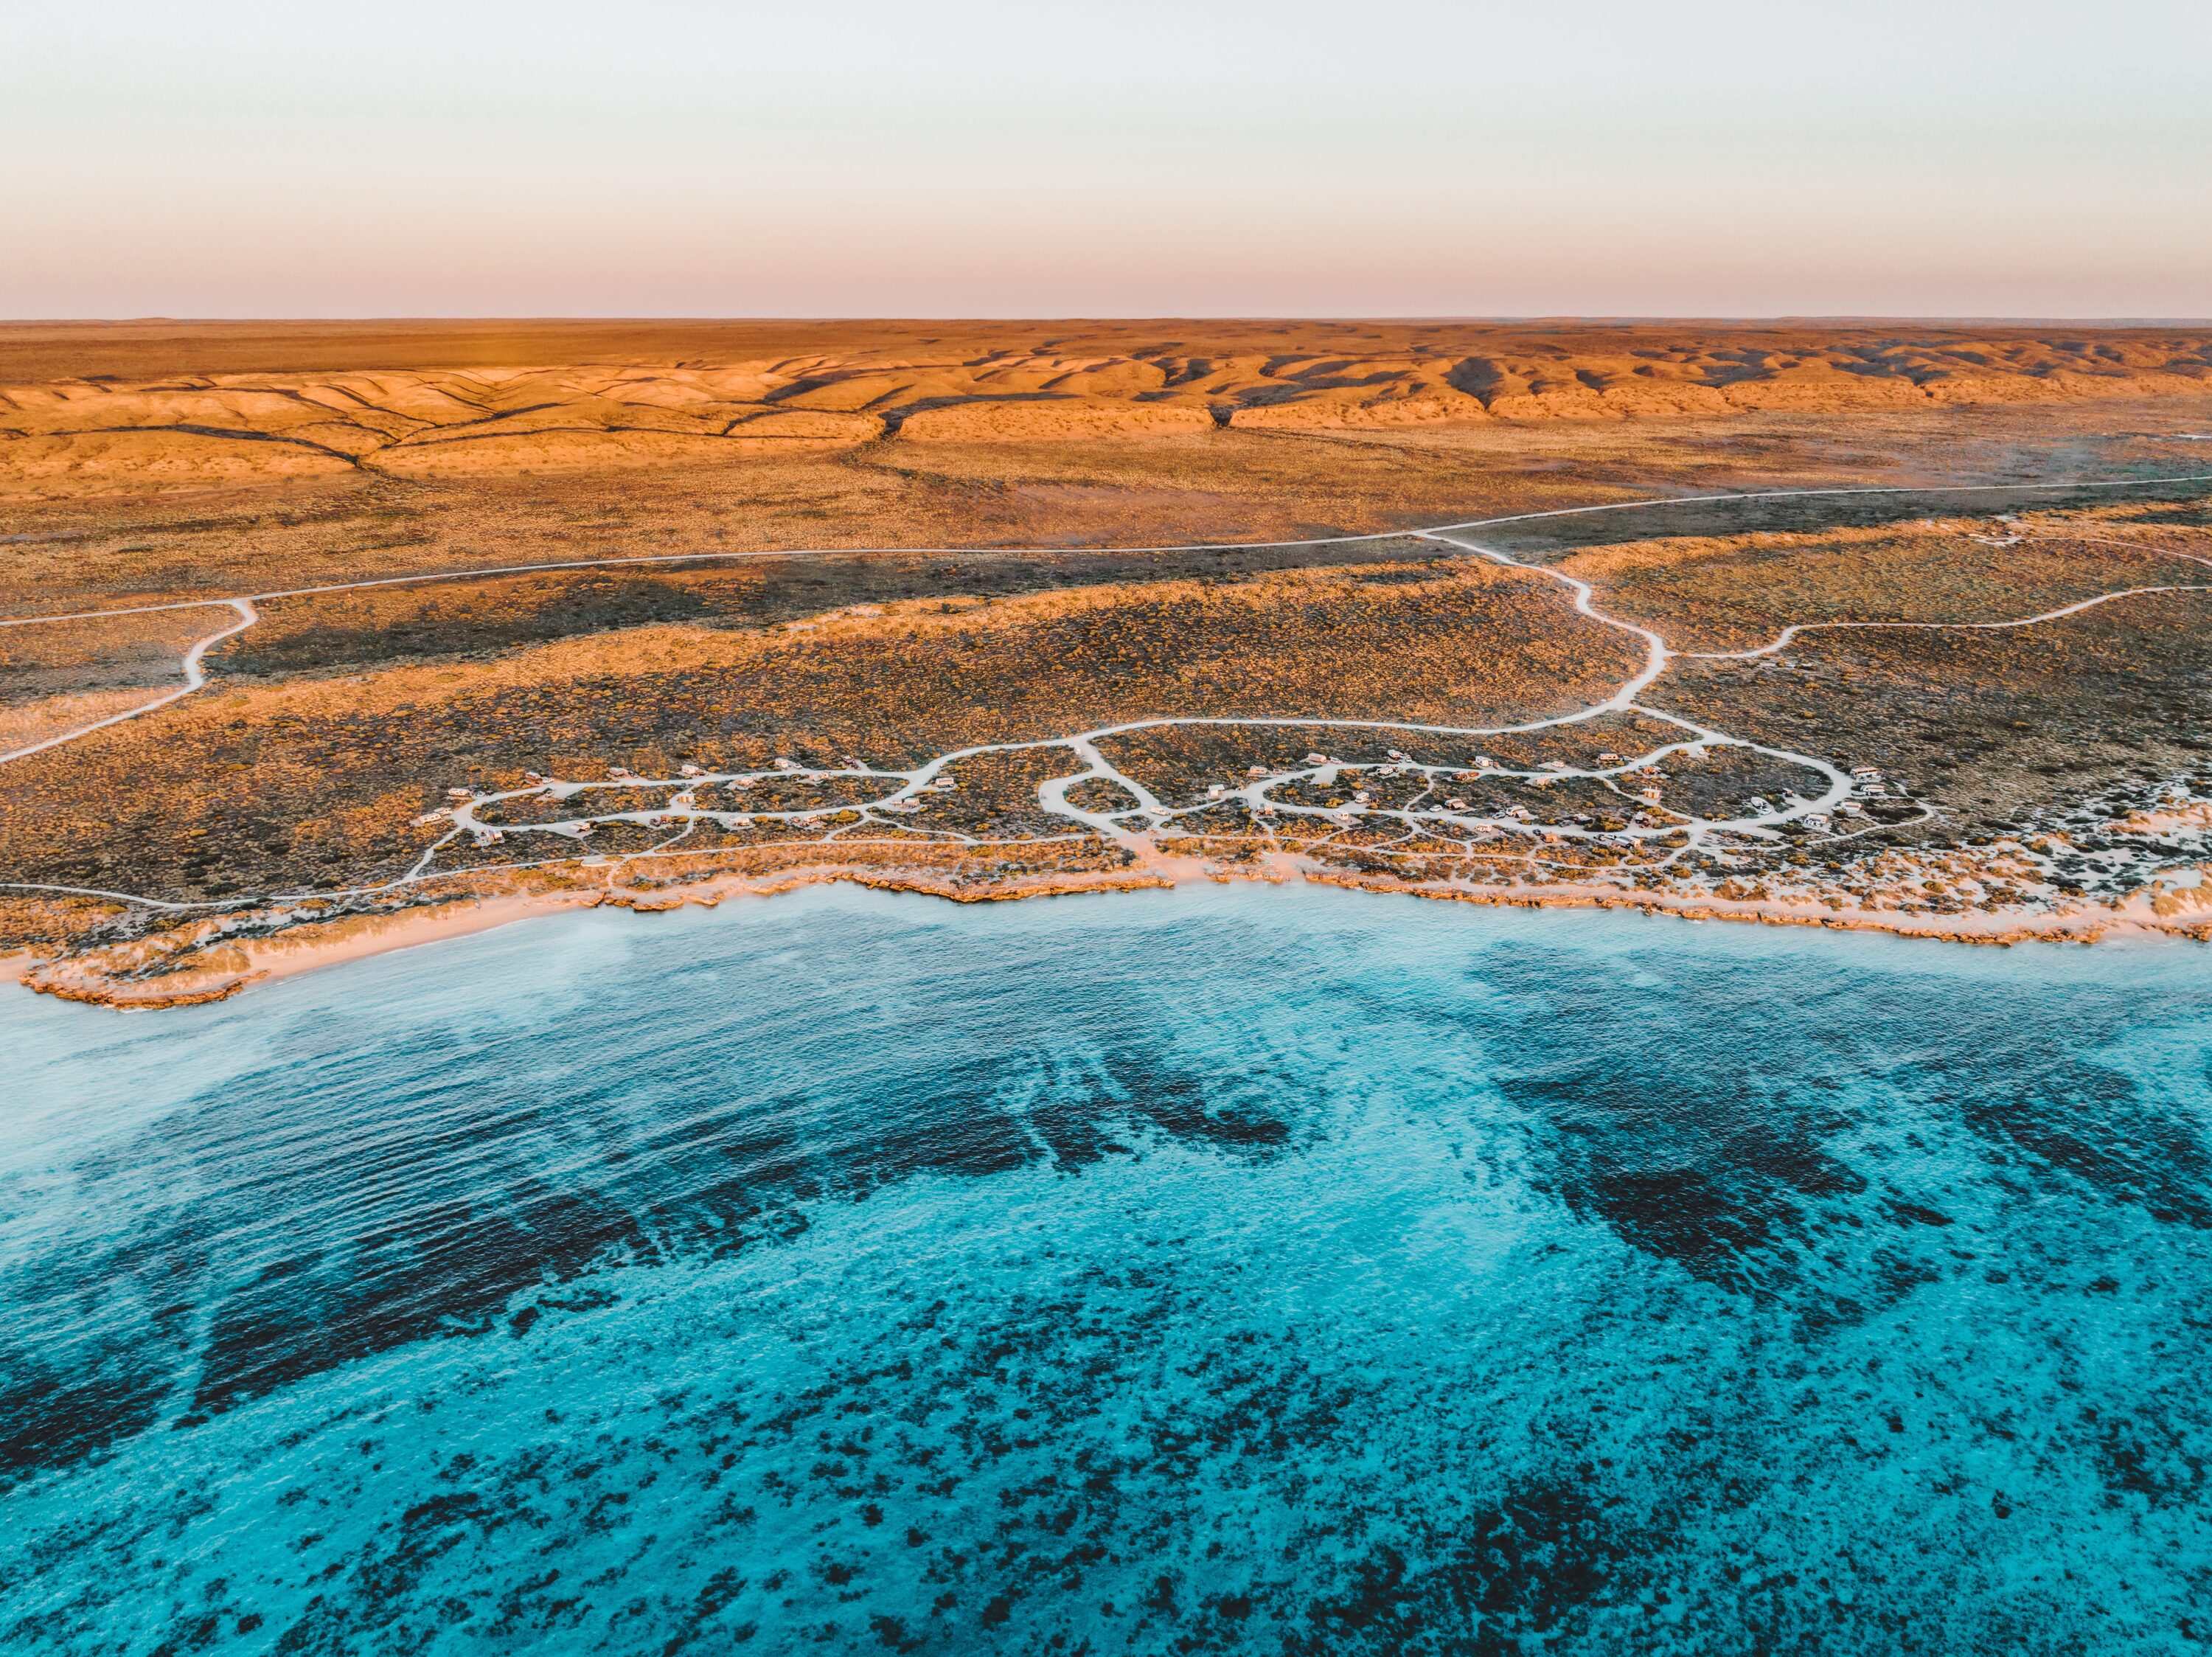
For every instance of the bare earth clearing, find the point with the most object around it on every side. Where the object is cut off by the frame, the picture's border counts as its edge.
(308, 645)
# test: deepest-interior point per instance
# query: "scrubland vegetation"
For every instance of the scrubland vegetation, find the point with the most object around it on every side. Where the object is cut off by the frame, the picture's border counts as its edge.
(332, 729)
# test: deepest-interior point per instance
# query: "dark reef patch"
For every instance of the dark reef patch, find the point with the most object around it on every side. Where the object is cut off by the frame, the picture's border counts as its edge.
(1287, 1280)
(437, 1211)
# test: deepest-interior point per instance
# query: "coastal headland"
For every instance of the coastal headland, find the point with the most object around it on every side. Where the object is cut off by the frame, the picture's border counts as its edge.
(322, 638)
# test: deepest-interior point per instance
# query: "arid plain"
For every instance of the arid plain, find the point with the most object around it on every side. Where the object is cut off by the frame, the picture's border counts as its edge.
(1884, 625)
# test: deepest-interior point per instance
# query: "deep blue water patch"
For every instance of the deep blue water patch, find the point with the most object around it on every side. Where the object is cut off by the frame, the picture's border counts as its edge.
(1235, 1271)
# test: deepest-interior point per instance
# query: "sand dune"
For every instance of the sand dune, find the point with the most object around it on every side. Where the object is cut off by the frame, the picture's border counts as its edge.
(583, 396)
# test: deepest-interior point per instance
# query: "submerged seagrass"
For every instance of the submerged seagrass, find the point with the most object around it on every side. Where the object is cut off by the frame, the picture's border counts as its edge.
(1235, 1270)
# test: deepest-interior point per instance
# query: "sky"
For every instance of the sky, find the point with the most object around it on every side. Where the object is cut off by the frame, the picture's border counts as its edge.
(979, 158)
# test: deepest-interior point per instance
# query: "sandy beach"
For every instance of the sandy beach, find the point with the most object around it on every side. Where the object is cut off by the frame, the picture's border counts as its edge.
(206, 965)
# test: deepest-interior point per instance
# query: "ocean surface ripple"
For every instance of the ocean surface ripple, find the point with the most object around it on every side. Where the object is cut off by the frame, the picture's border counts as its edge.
(1237, 1270)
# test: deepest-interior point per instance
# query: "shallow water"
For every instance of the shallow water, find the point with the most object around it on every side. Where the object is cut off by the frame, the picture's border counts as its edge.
(1231, 1270)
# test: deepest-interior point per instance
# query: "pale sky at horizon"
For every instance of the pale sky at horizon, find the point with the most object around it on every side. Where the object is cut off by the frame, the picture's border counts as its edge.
(977, 158)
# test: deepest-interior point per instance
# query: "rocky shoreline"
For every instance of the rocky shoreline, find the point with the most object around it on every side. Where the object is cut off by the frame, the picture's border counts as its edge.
(217, 957)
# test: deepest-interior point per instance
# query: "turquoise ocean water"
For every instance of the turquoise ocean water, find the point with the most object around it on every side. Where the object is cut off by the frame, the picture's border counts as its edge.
(1236, 1270)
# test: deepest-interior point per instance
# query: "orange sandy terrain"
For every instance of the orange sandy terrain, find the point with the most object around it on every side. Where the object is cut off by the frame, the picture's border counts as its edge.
(1101, 523)
(135, 406)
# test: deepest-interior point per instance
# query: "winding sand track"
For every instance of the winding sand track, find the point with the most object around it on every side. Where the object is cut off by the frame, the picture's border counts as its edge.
(1449, 824)
(1799, 629)
(486, 571)
(194, 677)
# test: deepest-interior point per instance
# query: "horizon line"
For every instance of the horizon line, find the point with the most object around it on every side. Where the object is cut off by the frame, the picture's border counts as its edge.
(1585, 319)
